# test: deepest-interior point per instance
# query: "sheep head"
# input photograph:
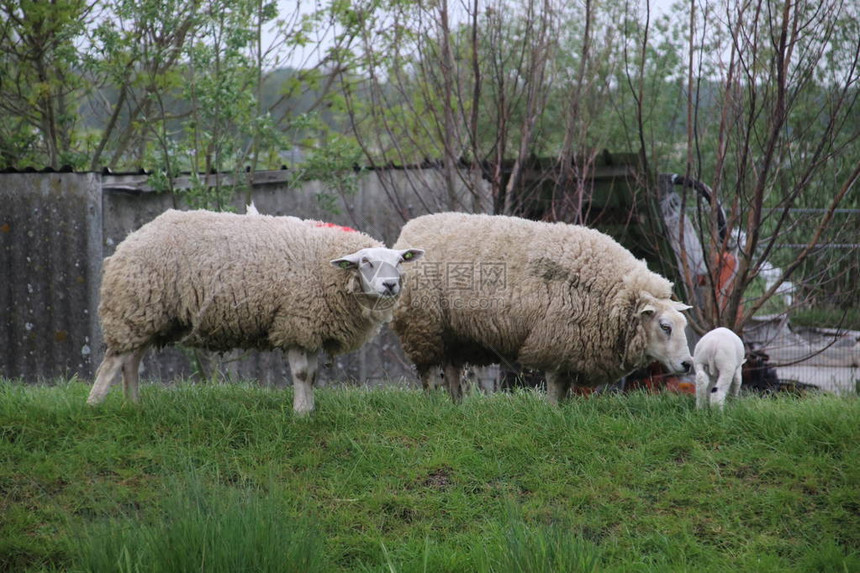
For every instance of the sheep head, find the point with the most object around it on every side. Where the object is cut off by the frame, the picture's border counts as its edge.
(665, 337)
(378, 269)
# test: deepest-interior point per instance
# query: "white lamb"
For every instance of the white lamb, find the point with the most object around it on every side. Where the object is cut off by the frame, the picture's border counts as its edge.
(222, 281)
(718, 358)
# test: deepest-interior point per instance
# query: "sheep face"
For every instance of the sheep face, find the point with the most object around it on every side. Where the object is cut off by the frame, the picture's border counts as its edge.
(666, 339)
(378, 269)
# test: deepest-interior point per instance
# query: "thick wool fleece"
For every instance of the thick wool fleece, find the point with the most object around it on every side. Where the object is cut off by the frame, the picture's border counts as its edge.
(553, 297)
(222, 281)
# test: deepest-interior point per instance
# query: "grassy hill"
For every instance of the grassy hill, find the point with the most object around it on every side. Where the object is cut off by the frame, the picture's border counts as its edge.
(225, 478)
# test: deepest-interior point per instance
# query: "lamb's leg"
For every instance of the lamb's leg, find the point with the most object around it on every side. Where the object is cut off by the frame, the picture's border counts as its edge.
(131, 374)
(721, 388)
(557, 386)
(452, 380)
(702, 383)
(105, 375)
(303, 366)
(736, 383)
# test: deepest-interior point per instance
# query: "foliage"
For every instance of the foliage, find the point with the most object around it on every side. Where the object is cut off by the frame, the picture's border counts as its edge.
(39, 86)
(169, 86)
(335, 166)
(397, 480)
(772, 128)
(827, 317)
(757, 99)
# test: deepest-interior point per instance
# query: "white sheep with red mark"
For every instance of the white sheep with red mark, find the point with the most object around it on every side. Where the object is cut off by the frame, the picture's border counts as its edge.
(221, 281)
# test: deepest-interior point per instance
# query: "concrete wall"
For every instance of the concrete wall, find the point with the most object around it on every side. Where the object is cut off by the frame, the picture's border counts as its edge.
(50, 260)
(55, 229)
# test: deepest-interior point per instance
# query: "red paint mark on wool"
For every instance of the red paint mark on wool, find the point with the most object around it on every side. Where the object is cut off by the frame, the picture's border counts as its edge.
(334, 226)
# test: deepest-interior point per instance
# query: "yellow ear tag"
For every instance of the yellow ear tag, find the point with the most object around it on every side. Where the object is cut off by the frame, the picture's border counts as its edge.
(408, 255)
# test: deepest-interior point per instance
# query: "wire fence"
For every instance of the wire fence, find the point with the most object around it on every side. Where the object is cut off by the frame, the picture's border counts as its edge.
(810, 330)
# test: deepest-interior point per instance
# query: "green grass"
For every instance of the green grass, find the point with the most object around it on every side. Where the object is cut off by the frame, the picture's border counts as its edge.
(819, 316)
(225, 478)
(845, 319)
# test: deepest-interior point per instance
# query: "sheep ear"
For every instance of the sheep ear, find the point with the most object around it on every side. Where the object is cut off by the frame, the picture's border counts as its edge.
(409, 255)
(347, 262)
(680, 306)
(648, 310)
(648, 307)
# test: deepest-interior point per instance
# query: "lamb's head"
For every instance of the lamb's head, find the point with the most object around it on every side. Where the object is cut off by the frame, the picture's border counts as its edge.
(378, 269)
(665, 336)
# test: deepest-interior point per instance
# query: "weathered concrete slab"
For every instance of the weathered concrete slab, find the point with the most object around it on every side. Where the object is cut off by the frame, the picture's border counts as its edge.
(824, 357)
(56, 228)
(50, 261)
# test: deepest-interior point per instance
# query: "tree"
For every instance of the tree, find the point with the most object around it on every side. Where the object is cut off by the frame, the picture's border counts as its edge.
(782, 134)
(757, 98)
(39, 82)
(168, 85)
(459, 83)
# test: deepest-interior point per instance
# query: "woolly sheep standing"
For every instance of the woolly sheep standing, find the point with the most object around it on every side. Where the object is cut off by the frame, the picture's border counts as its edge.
(221, 281)
(560, 298)
(718, 358)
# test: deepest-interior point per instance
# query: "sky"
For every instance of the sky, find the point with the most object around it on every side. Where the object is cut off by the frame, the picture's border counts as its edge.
(311, 55)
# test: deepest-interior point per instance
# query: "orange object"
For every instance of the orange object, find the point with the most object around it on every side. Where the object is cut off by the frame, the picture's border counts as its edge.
(677, 386)
(727, 269)
(655, 380)
(726, 265)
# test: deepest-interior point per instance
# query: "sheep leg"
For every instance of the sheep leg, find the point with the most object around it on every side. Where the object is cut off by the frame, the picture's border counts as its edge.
(702, 383)
(721, 388)
(131, 374)
(303, 366)
(452, 380)
(430, 379)
(105, 375)
(735, 390)
(557, 386)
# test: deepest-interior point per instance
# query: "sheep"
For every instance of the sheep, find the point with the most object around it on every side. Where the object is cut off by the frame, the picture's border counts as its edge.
(564, 299)
(221, 281)
(718, 358)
